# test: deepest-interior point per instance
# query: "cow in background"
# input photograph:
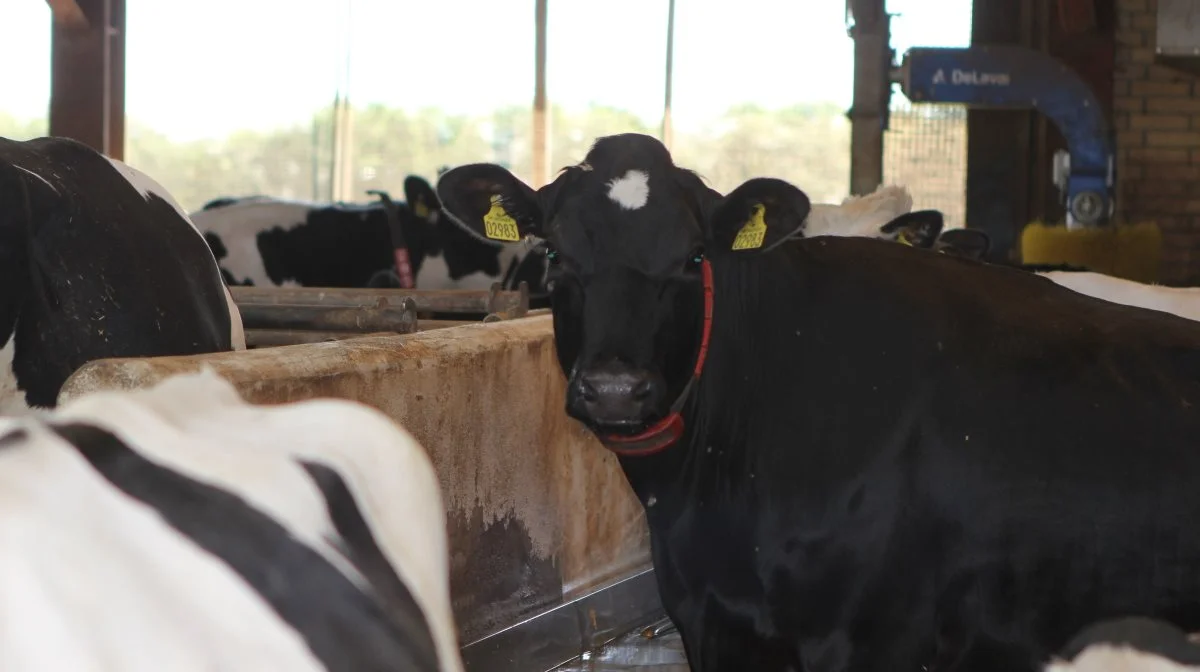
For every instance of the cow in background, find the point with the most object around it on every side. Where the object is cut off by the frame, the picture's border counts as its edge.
(265, 241)
(178, 528)
(97, 260)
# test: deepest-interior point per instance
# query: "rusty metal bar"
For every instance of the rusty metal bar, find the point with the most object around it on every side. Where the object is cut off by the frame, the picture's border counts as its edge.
(269, 338)
(430, 325)
(497, 299)
(286, 316)
(441, 301)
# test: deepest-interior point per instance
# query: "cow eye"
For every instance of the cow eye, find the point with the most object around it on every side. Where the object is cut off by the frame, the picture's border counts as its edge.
(695, 259)
(552, 257)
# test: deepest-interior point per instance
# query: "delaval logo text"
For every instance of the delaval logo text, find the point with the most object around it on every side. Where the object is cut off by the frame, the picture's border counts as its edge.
(972, 78)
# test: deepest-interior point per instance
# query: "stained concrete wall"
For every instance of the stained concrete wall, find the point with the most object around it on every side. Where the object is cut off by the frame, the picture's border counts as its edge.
(538, 511)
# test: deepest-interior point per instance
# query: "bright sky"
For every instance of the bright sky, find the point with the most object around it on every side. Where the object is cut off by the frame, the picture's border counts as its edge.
(206, 68)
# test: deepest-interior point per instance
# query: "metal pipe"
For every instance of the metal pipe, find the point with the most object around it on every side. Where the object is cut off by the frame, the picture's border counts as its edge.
(271, 338)
(441, 301)
(541, 136)
(668, 130)
(281, 316)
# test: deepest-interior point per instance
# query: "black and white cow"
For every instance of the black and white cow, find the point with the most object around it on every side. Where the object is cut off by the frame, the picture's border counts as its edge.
(885, 213)
(1129, 645)
(274, 242)
(854, 455)
(96, 260)
(179, 528)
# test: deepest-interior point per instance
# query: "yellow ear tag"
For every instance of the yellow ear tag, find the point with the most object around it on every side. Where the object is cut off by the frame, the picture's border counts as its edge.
(421, 209)
(753, 231)
(904, 238)
(498, 225)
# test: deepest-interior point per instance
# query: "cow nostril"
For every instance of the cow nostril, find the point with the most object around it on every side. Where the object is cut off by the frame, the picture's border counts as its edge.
(642, 391)
(587, 391)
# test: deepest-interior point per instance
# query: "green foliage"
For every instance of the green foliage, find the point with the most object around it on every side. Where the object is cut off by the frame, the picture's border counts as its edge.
(808, 145)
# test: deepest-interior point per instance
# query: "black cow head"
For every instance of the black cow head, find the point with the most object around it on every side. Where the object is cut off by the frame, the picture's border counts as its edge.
(919, 228)
(629, 237)
(967, 243)
(421, 199)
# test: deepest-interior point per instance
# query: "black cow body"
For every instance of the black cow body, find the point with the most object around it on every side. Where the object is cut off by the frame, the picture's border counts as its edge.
(273, 242)
(96, 260)
(887, 459)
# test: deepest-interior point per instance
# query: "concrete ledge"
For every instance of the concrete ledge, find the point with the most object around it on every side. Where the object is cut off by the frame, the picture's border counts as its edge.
(538, 512)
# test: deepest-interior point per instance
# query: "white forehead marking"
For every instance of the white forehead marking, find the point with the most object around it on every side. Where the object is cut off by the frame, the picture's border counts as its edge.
(631, 191)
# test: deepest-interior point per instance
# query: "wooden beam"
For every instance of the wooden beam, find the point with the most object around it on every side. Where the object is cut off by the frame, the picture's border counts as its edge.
(87, 90)
(68, 14)
(868, 113)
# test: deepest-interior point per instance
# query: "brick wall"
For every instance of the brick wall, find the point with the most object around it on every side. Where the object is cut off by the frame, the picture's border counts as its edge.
(1157, 116)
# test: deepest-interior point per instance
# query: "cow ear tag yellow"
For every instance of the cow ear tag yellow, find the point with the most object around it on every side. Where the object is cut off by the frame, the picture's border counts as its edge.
(905, 238)
(753, 231)
(498, 224)
(421, 209)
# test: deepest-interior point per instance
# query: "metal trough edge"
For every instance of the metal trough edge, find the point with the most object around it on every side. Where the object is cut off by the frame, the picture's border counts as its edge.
(559, 635)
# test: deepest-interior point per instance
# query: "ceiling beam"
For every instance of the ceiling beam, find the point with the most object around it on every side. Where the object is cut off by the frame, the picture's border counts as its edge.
(68, 14)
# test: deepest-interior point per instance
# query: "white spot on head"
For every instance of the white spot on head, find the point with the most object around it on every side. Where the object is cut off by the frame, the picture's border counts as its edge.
(631, 191)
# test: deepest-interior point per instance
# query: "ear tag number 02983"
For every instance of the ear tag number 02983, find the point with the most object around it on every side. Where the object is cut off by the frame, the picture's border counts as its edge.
(498, 224)
(753, 231)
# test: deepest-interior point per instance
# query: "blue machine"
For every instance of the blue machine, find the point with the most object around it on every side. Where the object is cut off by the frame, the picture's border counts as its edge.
(1010, 76)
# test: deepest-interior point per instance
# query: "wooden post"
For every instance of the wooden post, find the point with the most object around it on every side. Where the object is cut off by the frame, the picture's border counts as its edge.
(541, 136)
(872, 61)
(87, 63)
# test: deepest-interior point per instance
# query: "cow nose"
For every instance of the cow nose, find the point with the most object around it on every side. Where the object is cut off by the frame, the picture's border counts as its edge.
(617, 395)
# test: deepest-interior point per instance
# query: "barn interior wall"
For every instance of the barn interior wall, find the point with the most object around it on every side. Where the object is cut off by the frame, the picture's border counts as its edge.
(1157, 117)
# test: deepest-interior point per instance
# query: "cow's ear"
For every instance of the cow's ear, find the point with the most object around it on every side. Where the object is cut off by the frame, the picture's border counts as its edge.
(421, 199)
(968, 243)
(490, 203)
(919, 228)
(758, 215)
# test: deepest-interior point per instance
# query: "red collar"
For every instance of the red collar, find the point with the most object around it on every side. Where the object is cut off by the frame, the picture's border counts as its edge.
(664, 433)
(403, 268)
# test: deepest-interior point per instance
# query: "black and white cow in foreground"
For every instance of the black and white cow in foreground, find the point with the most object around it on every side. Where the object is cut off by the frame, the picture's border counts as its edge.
(179, 528)
(96, 260)
(1129, 645)
(1181, 301)
(853, 455)
(266, 241)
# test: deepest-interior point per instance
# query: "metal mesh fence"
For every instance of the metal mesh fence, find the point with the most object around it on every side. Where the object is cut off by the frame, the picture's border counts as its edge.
(925, 149)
